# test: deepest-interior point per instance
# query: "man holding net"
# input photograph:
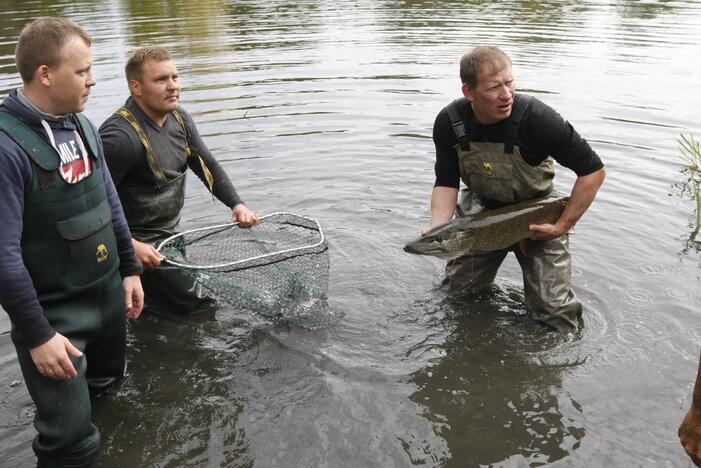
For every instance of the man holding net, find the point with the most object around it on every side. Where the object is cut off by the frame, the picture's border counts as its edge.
(67, 265)
(149, 144)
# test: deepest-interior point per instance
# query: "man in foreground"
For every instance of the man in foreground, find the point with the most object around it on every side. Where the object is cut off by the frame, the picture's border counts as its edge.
(502, 145)
(67, 268)
(149, 144)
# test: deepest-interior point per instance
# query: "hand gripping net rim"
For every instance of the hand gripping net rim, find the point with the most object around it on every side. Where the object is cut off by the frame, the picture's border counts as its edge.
(278, 268)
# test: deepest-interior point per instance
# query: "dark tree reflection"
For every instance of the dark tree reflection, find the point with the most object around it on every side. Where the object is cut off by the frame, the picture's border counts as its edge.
(490, 398)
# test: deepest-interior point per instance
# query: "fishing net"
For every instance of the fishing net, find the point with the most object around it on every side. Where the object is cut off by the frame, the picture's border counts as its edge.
(279, 268)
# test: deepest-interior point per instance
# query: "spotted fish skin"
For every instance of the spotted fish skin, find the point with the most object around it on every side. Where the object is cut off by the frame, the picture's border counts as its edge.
(489, 230)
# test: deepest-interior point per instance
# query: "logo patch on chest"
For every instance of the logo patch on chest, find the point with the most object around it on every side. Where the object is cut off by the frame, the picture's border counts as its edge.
(487, 168)
(101, 253)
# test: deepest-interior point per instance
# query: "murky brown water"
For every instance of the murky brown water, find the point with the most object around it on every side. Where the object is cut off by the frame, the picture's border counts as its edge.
(325, 108)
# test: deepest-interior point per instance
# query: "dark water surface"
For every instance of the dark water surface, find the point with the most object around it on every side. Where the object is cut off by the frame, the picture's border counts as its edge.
(325, 108)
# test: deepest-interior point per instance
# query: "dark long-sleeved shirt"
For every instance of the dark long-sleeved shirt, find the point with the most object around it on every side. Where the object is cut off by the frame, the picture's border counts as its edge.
(17, 294)
(126, 155)
(542, 133)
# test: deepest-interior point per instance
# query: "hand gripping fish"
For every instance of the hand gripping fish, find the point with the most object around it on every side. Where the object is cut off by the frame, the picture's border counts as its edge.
(488, 230)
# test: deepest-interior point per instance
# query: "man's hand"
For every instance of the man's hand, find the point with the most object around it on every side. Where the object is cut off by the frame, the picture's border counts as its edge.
(147, 254)
(244, 216)
(548, 231)
(133, 296)
(690, 434)
(583, 193)
(51, 358)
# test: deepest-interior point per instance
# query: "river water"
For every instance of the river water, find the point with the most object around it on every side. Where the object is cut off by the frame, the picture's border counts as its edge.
(325, 108)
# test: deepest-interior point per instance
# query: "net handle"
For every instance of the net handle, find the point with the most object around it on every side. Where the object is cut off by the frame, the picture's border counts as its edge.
(237, 262)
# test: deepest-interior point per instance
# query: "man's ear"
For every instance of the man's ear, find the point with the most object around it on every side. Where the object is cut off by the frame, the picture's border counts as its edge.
(43, 75)
(135, 87)
(467, 92)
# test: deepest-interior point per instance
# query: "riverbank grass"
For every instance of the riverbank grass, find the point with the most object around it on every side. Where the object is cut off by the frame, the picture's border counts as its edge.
(691, 185)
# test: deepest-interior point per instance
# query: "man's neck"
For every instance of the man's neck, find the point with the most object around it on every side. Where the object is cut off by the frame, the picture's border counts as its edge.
(37, 100)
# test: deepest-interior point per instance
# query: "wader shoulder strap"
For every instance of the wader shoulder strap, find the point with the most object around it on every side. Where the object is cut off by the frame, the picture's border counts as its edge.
(192, 152)
(38, 149)
(458, 124)
(88, 133)
(524, 102)
(150, 155)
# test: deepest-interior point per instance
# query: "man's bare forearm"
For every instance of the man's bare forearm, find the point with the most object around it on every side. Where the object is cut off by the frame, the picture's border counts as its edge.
(444, 200)
(583, 193)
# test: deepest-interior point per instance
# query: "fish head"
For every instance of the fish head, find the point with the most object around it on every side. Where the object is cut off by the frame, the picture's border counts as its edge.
(442, 244)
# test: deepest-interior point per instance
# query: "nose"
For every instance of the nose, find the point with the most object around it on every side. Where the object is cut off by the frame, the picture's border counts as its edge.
(90, 82)
(506, 92)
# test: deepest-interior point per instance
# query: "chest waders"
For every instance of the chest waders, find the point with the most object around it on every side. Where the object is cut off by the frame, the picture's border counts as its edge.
(153, 214)
(70, 251)
(496, 174)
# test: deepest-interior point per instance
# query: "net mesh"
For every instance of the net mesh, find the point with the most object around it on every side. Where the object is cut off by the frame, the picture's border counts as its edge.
(279, 268)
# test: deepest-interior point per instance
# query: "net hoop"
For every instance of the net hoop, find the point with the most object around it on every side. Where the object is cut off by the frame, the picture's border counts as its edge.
(169, 240)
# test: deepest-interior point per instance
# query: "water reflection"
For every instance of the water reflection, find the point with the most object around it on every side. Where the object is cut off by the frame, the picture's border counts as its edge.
(647, 10)
(201, 28)
(489, 397)
(197, 21)
(443, 14)
(179, 405)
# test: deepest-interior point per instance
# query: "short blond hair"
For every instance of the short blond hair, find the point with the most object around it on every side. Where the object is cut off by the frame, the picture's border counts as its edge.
(41, 42)
(134, 69)
(473, 62)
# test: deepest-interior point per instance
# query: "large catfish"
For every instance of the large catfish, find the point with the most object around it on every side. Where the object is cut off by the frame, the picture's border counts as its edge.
(488, 230)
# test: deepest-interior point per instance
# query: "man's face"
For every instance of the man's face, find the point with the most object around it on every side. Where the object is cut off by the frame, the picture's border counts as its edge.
(493, 96)
(158, 91)
(72, 79)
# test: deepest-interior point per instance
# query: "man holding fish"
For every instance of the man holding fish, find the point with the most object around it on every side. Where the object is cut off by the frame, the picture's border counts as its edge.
(502, 145)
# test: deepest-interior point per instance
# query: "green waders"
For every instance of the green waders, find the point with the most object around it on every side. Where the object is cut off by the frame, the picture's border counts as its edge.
(496, 173)
(153, 214)
(70, 251)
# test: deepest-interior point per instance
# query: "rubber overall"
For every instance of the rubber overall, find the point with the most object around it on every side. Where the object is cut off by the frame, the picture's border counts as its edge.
(70, 251)
(497, 175)
(153, 214)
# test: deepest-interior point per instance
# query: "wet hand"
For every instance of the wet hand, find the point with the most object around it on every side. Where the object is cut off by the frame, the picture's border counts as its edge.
(133, 296)
(51, 358)
(245, 217)
(690, 435)
(547, 231)
(147, 254)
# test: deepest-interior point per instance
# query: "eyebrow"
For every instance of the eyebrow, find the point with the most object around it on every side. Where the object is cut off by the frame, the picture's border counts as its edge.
(165, 75)
(492, 83)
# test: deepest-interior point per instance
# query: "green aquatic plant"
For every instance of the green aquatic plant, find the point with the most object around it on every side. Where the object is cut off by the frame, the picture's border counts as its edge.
(691, 186)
